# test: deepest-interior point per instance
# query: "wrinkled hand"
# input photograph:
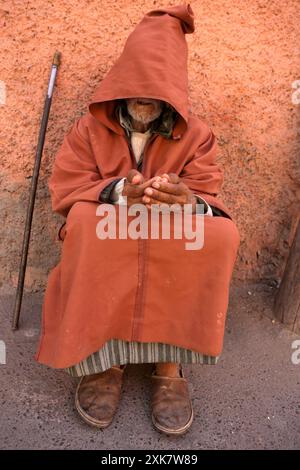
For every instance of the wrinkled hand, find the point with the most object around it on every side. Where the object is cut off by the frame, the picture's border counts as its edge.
(135, 186)
(169, 190)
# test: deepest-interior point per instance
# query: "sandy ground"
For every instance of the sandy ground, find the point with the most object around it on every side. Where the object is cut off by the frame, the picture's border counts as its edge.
(250, 400)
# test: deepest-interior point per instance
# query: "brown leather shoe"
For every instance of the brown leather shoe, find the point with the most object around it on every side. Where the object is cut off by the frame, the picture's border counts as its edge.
(172, 411)
(97, 396)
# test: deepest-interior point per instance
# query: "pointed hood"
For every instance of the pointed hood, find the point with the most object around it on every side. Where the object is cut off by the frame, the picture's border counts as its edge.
(153, 64)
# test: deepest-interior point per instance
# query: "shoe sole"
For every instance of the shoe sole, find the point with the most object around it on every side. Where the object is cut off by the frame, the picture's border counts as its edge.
(87, 418)
(176, 432)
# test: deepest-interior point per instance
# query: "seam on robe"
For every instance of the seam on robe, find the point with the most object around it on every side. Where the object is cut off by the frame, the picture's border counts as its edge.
(140, 295)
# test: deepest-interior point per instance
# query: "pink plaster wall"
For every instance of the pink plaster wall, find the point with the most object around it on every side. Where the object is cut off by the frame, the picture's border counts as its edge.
(244, 58)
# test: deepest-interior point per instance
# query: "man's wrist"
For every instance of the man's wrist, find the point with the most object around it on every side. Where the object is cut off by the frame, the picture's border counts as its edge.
(116, 195)
(200, 201)
(107, 192)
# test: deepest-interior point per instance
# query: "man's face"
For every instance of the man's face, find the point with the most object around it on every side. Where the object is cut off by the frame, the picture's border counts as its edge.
(144, 110)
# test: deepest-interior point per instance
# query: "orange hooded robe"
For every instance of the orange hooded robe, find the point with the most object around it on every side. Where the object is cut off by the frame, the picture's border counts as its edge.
(137, 290)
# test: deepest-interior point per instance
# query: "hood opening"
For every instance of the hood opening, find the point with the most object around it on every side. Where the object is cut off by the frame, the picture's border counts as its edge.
(106, 112)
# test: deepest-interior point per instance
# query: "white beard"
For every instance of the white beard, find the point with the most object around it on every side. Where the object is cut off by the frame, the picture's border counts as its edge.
(144, 114)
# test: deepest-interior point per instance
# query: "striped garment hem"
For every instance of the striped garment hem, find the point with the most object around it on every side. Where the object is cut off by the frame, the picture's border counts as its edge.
(119, 352)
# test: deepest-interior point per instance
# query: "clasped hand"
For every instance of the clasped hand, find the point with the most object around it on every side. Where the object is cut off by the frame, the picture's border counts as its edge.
(164, 189)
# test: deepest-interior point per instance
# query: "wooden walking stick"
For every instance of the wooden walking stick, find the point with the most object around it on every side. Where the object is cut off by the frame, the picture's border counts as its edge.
(34, 181)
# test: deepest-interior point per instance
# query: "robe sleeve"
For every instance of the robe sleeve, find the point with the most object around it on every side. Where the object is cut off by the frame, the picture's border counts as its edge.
(75, 175)
(201, 173)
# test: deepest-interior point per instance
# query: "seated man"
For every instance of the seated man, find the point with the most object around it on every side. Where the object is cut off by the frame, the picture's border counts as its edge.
(115, 301)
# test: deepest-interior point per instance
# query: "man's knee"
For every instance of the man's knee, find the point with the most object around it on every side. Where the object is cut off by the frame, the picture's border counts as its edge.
(82, 212)
(223, 232)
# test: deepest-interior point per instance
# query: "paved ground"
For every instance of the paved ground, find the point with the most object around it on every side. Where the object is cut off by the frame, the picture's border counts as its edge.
(250, 400)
